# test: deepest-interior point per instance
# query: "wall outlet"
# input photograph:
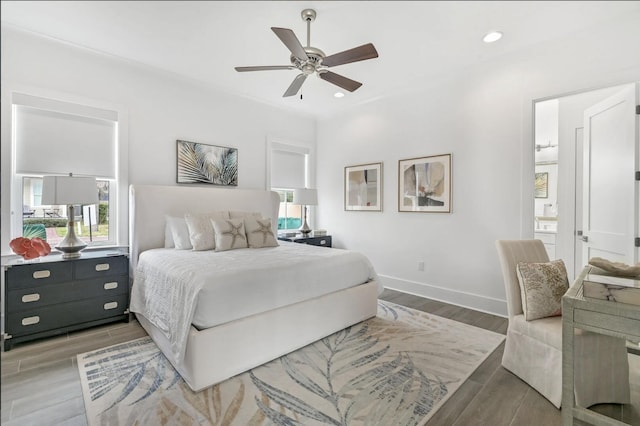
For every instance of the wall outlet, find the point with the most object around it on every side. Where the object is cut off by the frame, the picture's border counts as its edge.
(420, 265)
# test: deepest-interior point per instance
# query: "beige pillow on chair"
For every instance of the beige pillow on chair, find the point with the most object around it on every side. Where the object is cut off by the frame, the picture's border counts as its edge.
(542, 286)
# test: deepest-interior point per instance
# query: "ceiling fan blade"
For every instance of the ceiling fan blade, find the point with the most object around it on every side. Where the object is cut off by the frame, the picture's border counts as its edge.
(291, 41)
(339, 80)
(295, 85)
(360, 53)
(265, 68)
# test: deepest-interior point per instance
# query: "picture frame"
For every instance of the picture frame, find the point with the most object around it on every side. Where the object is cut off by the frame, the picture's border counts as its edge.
(424, 184)
(210, 164)
(542, 185)
(363, 187)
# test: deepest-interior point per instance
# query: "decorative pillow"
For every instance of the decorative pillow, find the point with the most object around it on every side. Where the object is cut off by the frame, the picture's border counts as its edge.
(542, 286)
(176, 233)
(201, 232)
(229, 234)
(259, 232)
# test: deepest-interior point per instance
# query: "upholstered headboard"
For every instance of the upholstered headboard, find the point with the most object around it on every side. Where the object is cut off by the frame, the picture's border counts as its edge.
(148, 205)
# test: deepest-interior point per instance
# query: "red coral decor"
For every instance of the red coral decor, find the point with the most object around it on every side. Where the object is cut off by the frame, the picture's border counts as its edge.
(30, 248)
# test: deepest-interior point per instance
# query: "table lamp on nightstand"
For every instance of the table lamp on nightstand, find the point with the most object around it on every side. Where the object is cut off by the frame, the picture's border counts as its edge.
(305, 197)
(69, 191)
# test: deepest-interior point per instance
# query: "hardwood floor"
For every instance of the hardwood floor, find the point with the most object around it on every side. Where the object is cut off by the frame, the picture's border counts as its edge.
(40, 382)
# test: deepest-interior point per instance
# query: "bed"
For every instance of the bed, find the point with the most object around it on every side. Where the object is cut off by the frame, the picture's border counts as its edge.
(231, 320)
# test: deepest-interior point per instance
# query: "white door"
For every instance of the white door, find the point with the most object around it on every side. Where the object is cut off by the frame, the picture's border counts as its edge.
(610, 197)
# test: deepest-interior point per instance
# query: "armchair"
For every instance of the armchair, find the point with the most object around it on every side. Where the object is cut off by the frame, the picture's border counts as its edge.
(533, 349)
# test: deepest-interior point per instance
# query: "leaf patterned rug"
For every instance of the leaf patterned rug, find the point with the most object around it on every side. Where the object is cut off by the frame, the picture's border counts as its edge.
(394, 369)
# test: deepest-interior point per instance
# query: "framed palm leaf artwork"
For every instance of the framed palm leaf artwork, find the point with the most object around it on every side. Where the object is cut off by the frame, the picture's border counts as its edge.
(200, 163)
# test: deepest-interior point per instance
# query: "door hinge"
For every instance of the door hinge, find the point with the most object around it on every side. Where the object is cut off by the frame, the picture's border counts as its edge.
(638, 109)
(637, 175)
(637, 242)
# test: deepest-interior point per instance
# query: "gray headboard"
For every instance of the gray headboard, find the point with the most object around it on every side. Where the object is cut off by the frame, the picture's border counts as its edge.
(148, 205)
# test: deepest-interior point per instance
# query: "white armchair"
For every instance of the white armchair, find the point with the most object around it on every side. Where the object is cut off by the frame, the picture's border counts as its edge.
(533, 349)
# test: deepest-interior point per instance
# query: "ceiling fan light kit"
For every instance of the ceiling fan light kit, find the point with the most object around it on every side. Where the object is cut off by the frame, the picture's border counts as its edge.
(309, 60)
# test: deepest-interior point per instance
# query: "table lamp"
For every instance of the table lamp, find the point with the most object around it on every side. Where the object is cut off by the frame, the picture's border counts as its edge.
(305, 197)
(69, 191)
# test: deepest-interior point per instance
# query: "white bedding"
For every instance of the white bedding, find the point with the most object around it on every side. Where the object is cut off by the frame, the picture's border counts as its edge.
(176, 288)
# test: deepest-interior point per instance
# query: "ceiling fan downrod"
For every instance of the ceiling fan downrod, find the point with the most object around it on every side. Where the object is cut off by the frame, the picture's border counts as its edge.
(308, 15)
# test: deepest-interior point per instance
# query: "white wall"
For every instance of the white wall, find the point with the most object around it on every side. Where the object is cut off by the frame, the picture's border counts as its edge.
(161, 108)
(484, 117)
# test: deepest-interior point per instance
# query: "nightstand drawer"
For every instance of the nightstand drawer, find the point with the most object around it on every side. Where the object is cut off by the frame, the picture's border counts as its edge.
(38, 274)
(92, 268)
(316, 241)
(26, 299)
(65, 314)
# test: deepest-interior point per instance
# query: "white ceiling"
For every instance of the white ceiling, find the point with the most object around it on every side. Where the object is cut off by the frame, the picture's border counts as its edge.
(204, 41)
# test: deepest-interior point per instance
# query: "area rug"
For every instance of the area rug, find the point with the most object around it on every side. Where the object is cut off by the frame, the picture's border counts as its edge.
(395, 369)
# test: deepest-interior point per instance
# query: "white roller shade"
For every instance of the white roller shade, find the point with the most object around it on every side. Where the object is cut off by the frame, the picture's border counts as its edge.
(288, 169)
(51, 142)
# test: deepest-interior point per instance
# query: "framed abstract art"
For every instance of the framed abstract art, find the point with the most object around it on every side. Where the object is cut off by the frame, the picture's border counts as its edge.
(424, 184)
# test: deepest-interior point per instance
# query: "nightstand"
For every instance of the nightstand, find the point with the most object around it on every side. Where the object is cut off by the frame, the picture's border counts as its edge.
(54, 296)
(323, 241)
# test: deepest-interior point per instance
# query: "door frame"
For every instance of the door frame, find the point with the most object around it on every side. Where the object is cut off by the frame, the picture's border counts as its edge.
(565, 240)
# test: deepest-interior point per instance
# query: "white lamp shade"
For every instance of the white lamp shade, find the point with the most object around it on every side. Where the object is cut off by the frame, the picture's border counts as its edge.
(305, 196)
(65, 190)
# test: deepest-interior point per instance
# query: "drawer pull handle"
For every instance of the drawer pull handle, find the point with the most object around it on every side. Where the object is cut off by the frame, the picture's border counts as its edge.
(34, 297)
(30, 320)
(110, 305)
(102, 267)
(323, 242)
(41, 274)
(111, 285)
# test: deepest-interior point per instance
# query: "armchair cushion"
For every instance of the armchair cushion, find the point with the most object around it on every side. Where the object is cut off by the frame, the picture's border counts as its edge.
(542, 286)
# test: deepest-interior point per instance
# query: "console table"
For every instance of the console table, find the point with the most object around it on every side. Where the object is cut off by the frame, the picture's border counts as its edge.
(599, 316)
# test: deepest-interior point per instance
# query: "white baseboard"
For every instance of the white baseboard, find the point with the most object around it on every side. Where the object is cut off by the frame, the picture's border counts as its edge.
(476, 302)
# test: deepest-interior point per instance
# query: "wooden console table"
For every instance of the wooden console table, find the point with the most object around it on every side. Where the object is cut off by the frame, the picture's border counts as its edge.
(599, 316)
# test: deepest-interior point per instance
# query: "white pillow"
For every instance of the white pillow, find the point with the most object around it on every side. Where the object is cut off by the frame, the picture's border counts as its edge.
(176, 233)
(200, 229)
(229, 234)
(242, 215)
(259, 232)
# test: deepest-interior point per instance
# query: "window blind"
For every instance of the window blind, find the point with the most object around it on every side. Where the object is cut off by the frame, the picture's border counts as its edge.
(65, 139)
(288, 169)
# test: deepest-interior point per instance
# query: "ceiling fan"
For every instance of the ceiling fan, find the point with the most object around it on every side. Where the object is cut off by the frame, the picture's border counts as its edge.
(311, 59)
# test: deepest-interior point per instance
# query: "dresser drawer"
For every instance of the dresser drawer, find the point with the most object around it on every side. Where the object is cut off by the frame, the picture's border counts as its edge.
(65, 314)
(38, 274)
(25, 299)
(93, 268)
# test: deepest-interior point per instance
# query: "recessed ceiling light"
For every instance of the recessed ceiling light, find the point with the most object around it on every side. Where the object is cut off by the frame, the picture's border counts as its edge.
(338, 95)
(492, 36)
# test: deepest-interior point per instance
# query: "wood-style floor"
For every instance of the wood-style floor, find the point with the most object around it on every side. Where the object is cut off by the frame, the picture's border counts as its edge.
(41, 386)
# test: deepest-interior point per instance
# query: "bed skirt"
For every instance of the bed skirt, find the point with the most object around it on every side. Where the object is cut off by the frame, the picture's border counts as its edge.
(219, 353)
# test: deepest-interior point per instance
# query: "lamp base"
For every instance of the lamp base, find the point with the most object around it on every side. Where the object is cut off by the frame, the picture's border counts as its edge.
(71, 245)
(304, 229)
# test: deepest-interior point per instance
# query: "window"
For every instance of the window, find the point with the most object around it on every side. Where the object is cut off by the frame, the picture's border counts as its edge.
(52, 137)
(288, 169)
(50, 222)
(289, 215)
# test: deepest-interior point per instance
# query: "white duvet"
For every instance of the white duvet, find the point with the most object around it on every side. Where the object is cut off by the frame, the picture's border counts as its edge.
(176, 288)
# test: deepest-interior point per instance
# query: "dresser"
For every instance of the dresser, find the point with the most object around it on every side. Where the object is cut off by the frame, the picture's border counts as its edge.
(53, 296)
